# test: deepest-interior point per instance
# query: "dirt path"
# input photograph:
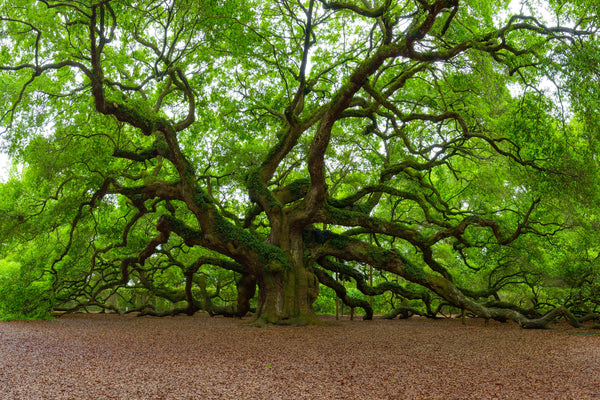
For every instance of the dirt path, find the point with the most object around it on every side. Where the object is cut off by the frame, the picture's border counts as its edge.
(112, 357)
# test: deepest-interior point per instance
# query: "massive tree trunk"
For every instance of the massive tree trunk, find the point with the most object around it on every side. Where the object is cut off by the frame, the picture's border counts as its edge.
(286, 295)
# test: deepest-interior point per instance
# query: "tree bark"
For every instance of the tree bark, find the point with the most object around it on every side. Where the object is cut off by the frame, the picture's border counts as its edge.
(246, 287)
(286, 295)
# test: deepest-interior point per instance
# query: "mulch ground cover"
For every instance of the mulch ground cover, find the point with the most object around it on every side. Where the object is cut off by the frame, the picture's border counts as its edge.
(100, 356)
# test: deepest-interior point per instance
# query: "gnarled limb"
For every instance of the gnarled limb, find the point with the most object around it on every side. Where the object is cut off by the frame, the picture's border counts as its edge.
(340, 291)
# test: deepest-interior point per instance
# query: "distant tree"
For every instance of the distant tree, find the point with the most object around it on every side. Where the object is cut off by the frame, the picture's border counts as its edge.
(198, 150)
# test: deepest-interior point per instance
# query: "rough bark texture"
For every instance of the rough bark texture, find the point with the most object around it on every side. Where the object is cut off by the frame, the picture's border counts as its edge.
(286, 297)
(112, 357)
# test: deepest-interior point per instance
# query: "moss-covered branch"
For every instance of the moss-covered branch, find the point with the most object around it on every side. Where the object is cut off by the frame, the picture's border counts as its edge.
(366, 289)
(340, 290)
(351, 249)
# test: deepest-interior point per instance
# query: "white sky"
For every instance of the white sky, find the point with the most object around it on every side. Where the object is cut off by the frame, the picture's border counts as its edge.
(4, 167)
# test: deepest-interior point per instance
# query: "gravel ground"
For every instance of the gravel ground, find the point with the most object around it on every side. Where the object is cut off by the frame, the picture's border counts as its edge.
(112, 357)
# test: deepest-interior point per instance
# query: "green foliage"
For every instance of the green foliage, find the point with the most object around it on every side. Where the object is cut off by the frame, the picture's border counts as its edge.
(169, 147)
(22, 295)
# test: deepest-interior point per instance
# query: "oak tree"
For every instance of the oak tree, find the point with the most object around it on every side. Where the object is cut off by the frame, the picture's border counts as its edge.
(197, 150)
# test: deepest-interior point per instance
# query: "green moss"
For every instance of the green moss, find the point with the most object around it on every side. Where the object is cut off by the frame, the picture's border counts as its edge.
(231, 232)
(257, 188)
(275, 266)
(339, 242)
(380, 256)
(136, 112)
(414, 273)
(337, 215)
(190, 173)
(299, 187)
(186, 232)
(362, 208)
(272, 257)
(202, 199)
(275, 149)
(161, 147)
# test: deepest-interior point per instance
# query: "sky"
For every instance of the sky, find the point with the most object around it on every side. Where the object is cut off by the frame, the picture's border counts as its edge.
(4, 166)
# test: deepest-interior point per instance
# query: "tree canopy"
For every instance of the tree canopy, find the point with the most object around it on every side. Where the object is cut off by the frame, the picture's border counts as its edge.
(231, 156)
